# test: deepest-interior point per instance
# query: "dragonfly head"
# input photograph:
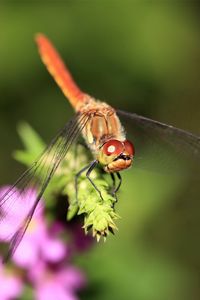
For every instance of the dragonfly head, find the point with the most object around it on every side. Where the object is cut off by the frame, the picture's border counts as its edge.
(116, 155)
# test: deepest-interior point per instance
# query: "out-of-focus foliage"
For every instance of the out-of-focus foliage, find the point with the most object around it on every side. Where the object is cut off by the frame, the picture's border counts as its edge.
(141, 57)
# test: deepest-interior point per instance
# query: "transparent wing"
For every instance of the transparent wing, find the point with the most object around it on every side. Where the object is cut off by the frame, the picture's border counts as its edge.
(159, 146)
(19, 202)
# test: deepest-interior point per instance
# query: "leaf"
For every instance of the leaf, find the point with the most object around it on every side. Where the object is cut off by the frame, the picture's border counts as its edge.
(32, 143)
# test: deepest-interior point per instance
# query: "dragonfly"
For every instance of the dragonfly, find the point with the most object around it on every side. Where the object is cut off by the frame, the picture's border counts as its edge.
(100, 126)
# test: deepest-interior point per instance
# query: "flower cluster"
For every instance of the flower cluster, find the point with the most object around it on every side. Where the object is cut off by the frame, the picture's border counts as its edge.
(41, 261)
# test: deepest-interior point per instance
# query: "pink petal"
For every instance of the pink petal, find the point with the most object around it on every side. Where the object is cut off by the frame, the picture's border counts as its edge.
(11, 287)
(53, 250)
(36, 275)
(7, 229)
(17, 205)
(15, 209)
(26, 254)
(52, 291)
(72, 278)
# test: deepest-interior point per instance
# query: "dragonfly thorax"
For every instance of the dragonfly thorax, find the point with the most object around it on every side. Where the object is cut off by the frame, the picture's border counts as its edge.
(103, 124)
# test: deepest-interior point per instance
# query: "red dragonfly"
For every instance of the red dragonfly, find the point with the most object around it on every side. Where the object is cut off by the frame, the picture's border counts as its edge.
(100, 126)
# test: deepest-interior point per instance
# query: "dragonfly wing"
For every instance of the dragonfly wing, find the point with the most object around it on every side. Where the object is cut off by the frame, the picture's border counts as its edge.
(26, 193)
(168, 147)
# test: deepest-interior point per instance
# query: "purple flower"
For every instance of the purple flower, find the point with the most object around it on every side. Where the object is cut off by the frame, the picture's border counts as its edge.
(41, 253)
(37, 243)
(59, 282)
(10, 285)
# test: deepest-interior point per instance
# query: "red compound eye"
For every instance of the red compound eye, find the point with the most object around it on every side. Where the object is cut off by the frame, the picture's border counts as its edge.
(129, 147)
(113, 147)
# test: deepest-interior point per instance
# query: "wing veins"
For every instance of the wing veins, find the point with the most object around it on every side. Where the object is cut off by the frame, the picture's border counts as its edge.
(67, 135)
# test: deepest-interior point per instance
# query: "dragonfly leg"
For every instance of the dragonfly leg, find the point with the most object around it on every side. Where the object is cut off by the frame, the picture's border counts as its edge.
(120, 182)
(113, 180)
(76, 179)
(91, 167)
(115, 189)
(114, 186)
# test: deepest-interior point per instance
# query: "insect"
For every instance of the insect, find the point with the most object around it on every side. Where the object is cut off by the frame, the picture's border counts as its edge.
(103, 132)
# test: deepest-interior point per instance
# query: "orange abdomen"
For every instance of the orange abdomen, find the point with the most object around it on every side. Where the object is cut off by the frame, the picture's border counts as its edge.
(59, 71)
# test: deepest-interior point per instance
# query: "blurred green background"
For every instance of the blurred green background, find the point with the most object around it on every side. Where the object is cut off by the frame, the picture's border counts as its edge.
(140, 56)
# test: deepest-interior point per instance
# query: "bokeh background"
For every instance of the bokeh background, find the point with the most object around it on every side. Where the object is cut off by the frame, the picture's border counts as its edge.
(140, 56)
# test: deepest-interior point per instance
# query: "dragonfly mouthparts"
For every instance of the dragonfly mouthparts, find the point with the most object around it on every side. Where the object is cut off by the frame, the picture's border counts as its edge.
(123, 156)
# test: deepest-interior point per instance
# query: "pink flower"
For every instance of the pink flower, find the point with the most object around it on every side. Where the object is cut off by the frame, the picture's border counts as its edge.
(56, 283)
(37, 243)
(41, 253)
(10, 285)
